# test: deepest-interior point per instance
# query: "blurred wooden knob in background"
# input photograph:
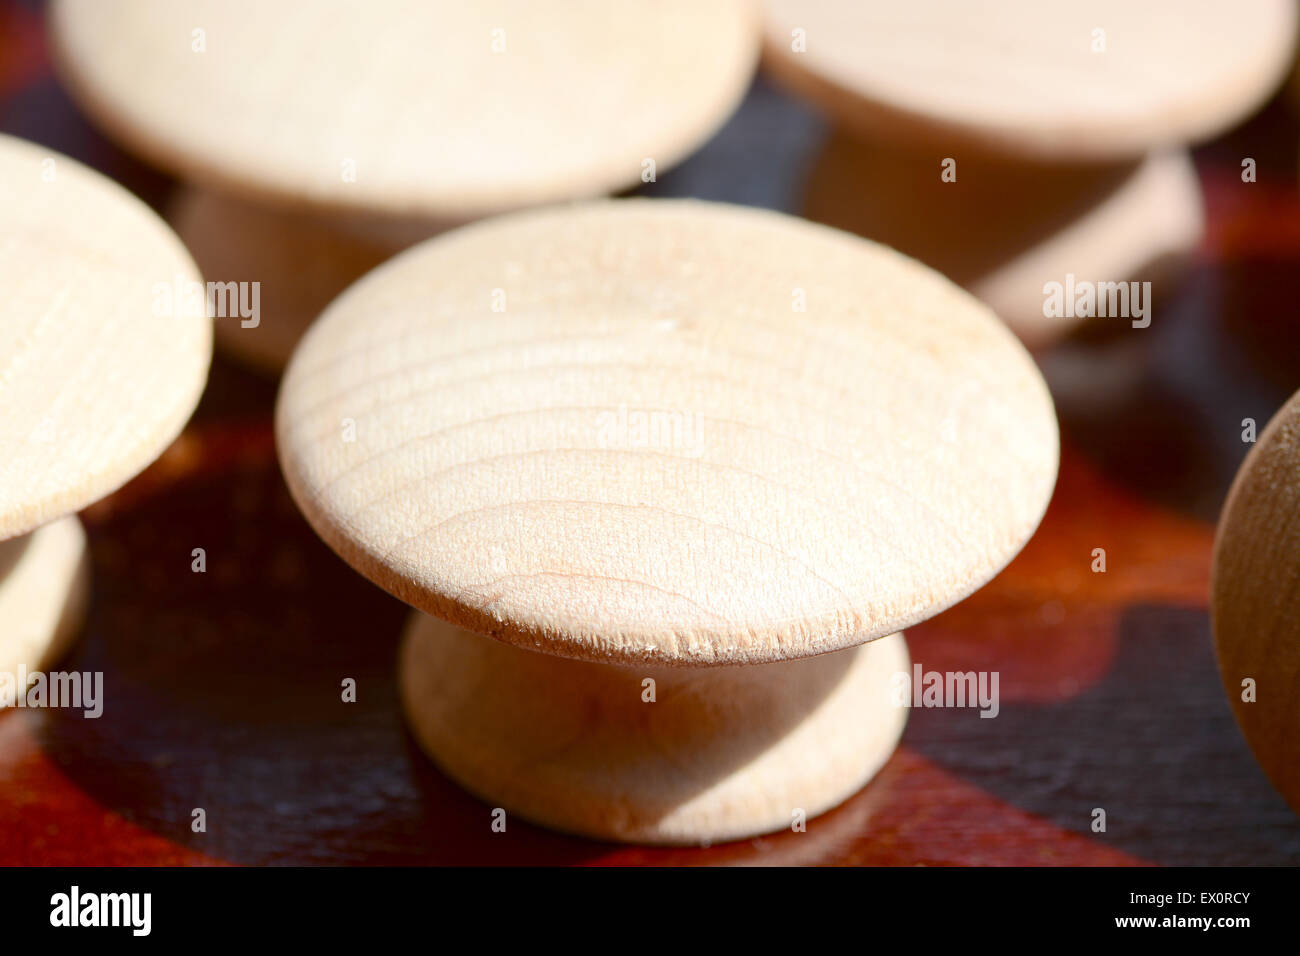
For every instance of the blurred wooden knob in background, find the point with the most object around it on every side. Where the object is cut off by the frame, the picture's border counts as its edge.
(1015, 144)
(322, 144)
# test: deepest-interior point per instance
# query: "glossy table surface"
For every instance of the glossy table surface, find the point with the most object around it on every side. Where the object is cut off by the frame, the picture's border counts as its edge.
(223, 688)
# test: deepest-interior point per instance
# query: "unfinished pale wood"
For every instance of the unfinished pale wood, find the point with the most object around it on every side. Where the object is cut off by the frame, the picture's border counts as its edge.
(96, 379)
(301, 261)
(1256, 598)
(411, 91)
(1021, 76)
(651, 454)
(43, 592)
(721, 753)
(1003, 230)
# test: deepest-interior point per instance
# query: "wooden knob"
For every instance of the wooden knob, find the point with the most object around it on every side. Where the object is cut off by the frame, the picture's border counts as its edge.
(409, 108)
(104, 336)
(672, 432)
(1256, 599)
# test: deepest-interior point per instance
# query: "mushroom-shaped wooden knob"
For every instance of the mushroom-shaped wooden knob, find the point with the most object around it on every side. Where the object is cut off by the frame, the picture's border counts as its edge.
(1256, 599)
(1024, 147)
(675, 442)
(382, 123)
(104, 350)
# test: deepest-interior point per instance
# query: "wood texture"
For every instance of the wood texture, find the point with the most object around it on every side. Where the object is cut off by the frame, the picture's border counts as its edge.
(44, 585)
(302, 263)
(437, 123)
(650, 453)
(1002, 230)
(720, 753)
(95, 378)
(1110, 690)
(1021, 77)
(1256, 599)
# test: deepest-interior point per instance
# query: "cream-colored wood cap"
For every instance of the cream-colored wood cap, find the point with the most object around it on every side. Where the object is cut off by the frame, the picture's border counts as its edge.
(1256, 599)
(44, 585)
(410, 108)
(101, 359)
(651, 755)
(1067, 79)
(672, 431)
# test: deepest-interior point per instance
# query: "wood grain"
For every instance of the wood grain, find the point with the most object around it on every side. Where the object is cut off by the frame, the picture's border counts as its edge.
(437, 123)
(1110, 689)
(1256, 598)
(1002, 229)
(1020, 77)
(716, 754)
(651, 453)
(95, 378)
